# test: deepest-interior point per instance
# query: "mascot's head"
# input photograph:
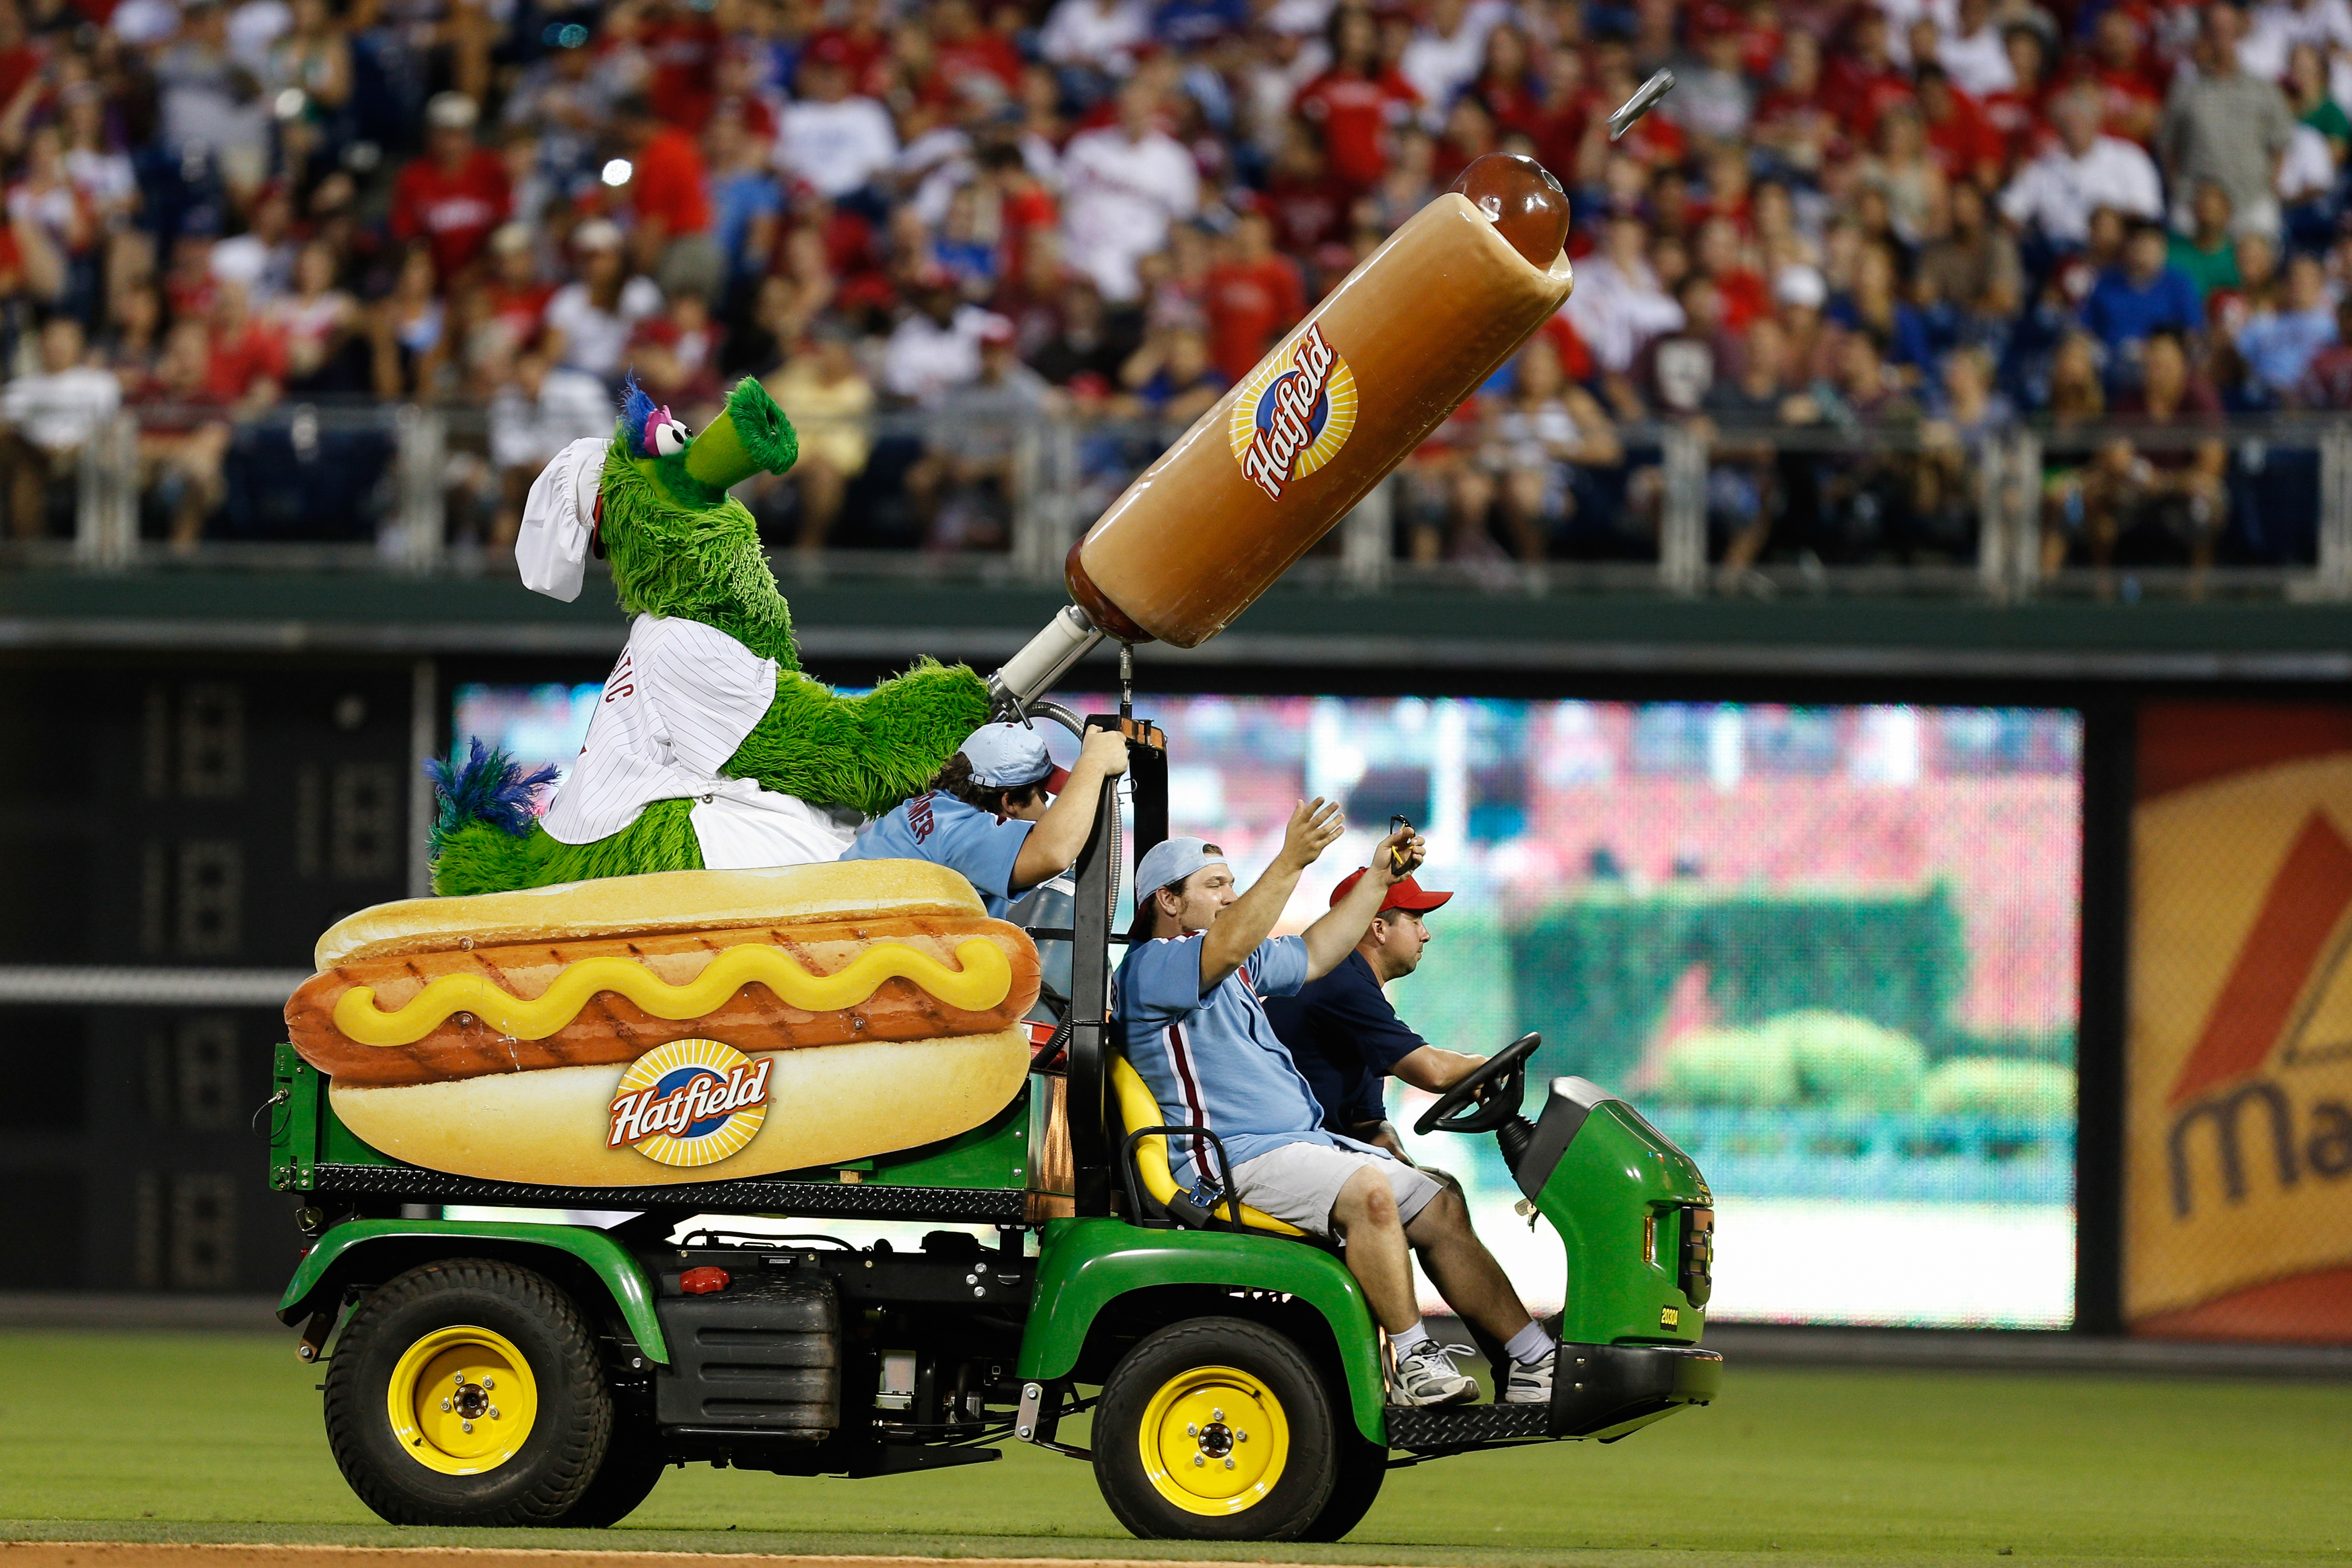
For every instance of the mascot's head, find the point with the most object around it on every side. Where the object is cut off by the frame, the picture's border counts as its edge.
(678, 543)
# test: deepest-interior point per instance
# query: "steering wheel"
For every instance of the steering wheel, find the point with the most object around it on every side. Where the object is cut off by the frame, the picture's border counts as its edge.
(1499, 1085)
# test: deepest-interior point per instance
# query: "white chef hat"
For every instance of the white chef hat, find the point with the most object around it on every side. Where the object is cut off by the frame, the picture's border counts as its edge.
(551, 547)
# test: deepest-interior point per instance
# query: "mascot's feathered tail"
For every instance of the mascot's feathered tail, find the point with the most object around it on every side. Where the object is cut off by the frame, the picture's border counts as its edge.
(484, 810)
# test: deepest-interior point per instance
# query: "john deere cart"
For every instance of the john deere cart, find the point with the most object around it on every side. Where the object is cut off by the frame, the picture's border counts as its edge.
(526, 1373)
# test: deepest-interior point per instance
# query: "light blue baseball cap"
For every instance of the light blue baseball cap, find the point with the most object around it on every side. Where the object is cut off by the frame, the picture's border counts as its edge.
(1171, 860)
(1008, 756)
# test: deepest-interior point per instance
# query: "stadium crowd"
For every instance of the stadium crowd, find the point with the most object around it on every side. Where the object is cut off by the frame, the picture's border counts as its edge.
(1926, 217)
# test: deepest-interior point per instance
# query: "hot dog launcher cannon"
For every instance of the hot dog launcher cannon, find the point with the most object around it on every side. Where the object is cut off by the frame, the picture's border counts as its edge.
(1383, 361)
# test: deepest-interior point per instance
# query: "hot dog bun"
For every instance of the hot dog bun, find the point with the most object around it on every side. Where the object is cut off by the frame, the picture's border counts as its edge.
(471, 1039)
(756, 1020)
(547, 1128)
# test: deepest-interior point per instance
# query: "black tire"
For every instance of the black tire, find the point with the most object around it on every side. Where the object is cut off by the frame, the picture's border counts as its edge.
(1355, 1486)
(548, 1472)
(1288, 1505)
(634, 1461)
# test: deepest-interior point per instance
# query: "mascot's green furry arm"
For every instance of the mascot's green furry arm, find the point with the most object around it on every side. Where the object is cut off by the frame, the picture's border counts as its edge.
(683, 549)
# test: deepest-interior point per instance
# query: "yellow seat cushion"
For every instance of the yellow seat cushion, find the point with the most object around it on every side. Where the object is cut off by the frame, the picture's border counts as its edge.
(1137, 1109)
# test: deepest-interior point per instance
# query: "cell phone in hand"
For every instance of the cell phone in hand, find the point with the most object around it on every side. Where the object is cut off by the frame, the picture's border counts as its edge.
(1399, 824)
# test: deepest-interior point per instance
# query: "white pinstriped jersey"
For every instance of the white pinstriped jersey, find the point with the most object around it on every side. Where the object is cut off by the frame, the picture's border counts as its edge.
(675, 708)
(1214, 1062)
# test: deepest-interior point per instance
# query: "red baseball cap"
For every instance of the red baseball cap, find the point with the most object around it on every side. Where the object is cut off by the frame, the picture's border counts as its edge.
(1404, 894)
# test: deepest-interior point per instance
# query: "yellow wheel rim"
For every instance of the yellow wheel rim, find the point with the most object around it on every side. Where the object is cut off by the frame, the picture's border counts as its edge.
(462, 1400)
(1214, 1440)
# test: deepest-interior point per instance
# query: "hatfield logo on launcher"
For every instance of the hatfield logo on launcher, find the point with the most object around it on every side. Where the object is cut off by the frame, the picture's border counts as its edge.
(689, 1102)
(1294, 414)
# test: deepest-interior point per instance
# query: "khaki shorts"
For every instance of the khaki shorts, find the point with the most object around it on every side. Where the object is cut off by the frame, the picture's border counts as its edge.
(1299, 1183)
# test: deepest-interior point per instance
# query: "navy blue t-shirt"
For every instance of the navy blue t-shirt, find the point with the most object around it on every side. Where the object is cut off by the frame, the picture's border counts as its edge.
(1345, 1038)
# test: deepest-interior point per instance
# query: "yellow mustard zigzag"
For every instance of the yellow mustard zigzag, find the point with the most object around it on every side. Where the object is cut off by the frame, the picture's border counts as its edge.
(985, 979)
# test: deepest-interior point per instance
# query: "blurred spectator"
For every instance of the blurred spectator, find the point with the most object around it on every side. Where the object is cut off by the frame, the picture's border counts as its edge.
(319, 324)
(1975, 55)
(44, 200)
(668, 191)
(595, 317)
(409, 331)
(2075, 398)
(51, 414)
(247, 369)
(2146, 294)
(835, 140)
(514, 298)
(212, 103)
(454, 195)
(1712, 100)
(2223, 125)
(1253, 296)
(1352, 107)
(1619, 304)
(967, 486)
(2279, 344)
(746, 204)
(542, 410)
(936, 346)
(261, 260)
(1974, 264)
(183, 440)
(1537, 442)
(829, 401)
(1126, 182)
(2327, 379)
(1449, 39)
(675, 355)
(1743, 486)
(1170, 377)
(2056, 194)
(2131, 100)
(2157, 500)
(1101, 36)
(1086, 346)
(2206, 253)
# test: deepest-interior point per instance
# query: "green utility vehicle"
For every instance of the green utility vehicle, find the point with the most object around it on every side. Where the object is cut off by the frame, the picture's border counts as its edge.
(543, 1374)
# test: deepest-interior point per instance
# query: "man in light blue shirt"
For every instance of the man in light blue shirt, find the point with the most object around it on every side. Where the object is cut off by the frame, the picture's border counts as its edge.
(1185, 1009)
(2279, 344)
(999, 812)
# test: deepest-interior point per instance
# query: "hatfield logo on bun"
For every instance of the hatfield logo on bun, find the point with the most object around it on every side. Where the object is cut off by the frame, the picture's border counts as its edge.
(692, 1102)
(1294, 414)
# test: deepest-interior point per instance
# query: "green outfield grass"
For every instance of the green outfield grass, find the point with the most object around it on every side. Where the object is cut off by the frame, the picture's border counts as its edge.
(217, 1437)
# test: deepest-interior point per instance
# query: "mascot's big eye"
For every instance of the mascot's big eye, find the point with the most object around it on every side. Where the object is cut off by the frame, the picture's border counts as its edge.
(669, 438)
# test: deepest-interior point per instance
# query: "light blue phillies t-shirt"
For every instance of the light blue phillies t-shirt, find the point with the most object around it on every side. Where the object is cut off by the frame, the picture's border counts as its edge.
(1214, 1062)
(946, 831)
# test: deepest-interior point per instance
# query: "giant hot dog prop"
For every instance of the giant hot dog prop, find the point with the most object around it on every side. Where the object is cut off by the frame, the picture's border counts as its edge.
(1324, 417)
(685, 1026)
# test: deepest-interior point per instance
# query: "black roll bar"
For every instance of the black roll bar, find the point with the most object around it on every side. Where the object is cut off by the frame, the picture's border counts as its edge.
(1093, 1151)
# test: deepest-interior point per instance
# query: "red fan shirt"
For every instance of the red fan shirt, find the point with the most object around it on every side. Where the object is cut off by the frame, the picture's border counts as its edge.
(1249, 304)
(452, 211)
(1354, 113)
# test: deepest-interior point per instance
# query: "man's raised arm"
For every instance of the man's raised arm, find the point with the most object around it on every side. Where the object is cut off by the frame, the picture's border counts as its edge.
(1315, 826)
(1334, 936)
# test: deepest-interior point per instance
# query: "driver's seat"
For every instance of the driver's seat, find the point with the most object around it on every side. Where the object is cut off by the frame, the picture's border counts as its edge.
(1136, 1110)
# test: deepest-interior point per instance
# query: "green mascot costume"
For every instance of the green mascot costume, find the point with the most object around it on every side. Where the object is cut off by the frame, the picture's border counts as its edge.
(710, 747)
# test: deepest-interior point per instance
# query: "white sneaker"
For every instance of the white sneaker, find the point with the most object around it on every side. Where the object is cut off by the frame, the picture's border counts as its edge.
(1531, 1384)
(1426, 1375)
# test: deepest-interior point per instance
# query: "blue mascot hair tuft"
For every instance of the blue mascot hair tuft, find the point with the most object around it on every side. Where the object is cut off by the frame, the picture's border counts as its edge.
(488, 786)
(635, 409)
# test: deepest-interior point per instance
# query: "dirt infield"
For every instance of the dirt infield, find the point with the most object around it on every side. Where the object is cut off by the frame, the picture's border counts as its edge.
(130, 1554)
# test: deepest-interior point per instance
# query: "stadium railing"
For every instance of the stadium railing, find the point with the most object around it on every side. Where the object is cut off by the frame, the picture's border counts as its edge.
(1908, 509)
